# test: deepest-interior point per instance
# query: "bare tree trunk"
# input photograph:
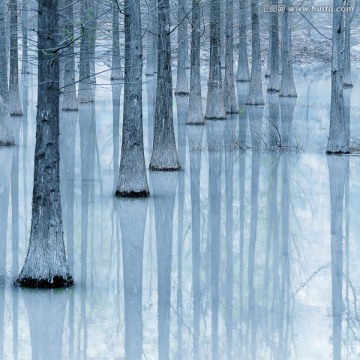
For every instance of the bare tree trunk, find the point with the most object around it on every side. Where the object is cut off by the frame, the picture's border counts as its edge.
(274, 82)
(116, 71)
(287, 86)
(231, 106)
(85, 92)
(132, 180)
(69, 98)
(45, 264)
(347, 50)
(93, 29)
(24, 30)
(243, 66)
(182, 86)
(14, 96)
(151, 66)
(195, 114)
(215, 108)
(339, 132)
(255, 89)
(164, 155)
(3, 52)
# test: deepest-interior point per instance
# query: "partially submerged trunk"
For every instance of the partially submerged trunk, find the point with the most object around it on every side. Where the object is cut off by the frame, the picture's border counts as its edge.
(274, 82)
(243, 74)
(182, 38)
(229, 85)
(215, 108)
(339, 131)
(116, 71)
(287, 86)
(195, 114)
(69, 102)
(45, 264)
(255, 89)
(132, 180)
(14, 96)
(164, 155)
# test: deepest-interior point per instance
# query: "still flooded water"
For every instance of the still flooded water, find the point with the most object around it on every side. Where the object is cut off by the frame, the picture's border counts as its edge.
(250, 252)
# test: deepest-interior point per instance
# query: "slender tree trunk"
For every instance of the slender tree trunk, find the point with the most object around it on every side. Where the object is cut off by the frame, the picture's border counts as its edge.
(215, 108)
(132, 175)
(164, 155)
(243, 66)
(287, 86)
(14, 96)
(195, 114)
(268, 62)
(231, 106)
(182, 86)
(151, 66)
(85, 92)
(116, 72)
(274, 82)
(3, 52)
(69, 98)
(347, 49)
(339, 132)
(24, 30)
(93, 29)
(45, 264)
(255, 89)
(6, 134)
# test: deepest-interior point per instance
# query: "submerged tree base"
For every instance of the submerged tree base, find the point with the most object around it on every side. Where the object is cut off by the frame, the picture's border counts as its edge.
(173, 168)
(7, 143)
(132, 194)
(182, 93)
(330, 152)
(55, 282)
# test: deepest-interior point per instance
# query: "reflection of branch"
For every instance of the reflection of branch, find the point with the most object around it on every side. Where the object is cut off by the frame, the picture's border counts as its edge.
(310, 278)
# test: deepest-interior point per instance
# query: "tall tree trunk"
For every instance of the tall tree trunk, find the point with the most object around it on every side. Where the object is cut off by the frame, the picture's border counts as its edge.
(14, 96)
(255, 89)
(287, 86)
(164, 155)
(347, 49)
(6, 134)
(116, 71)
(3, 52)
(85, 91)
(182, 38)
(24, 30)
(151, 66)
(243, 66)
(132, 175)
(229, 85)
(69, 98)
(45, 264)
(274, 82)
(195, 114)
(93, 29)
(339, 131)
(215, 108)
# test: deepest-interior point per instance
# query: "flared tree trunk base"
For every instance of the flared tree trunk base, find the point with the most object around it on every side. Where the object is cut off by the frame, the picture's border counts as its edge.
(55, 282)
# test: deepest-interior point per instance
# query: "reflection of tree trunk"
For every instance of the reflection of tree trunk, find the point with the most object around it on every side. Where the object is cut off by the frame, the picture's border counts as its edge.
(87, 148)
(255, 114)
(230, 146)
(46, 312)
(195, 134)
(337, 175)
(132, 221)
(181, 105)
(5, 169)
(164, 189)
(215, 131)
